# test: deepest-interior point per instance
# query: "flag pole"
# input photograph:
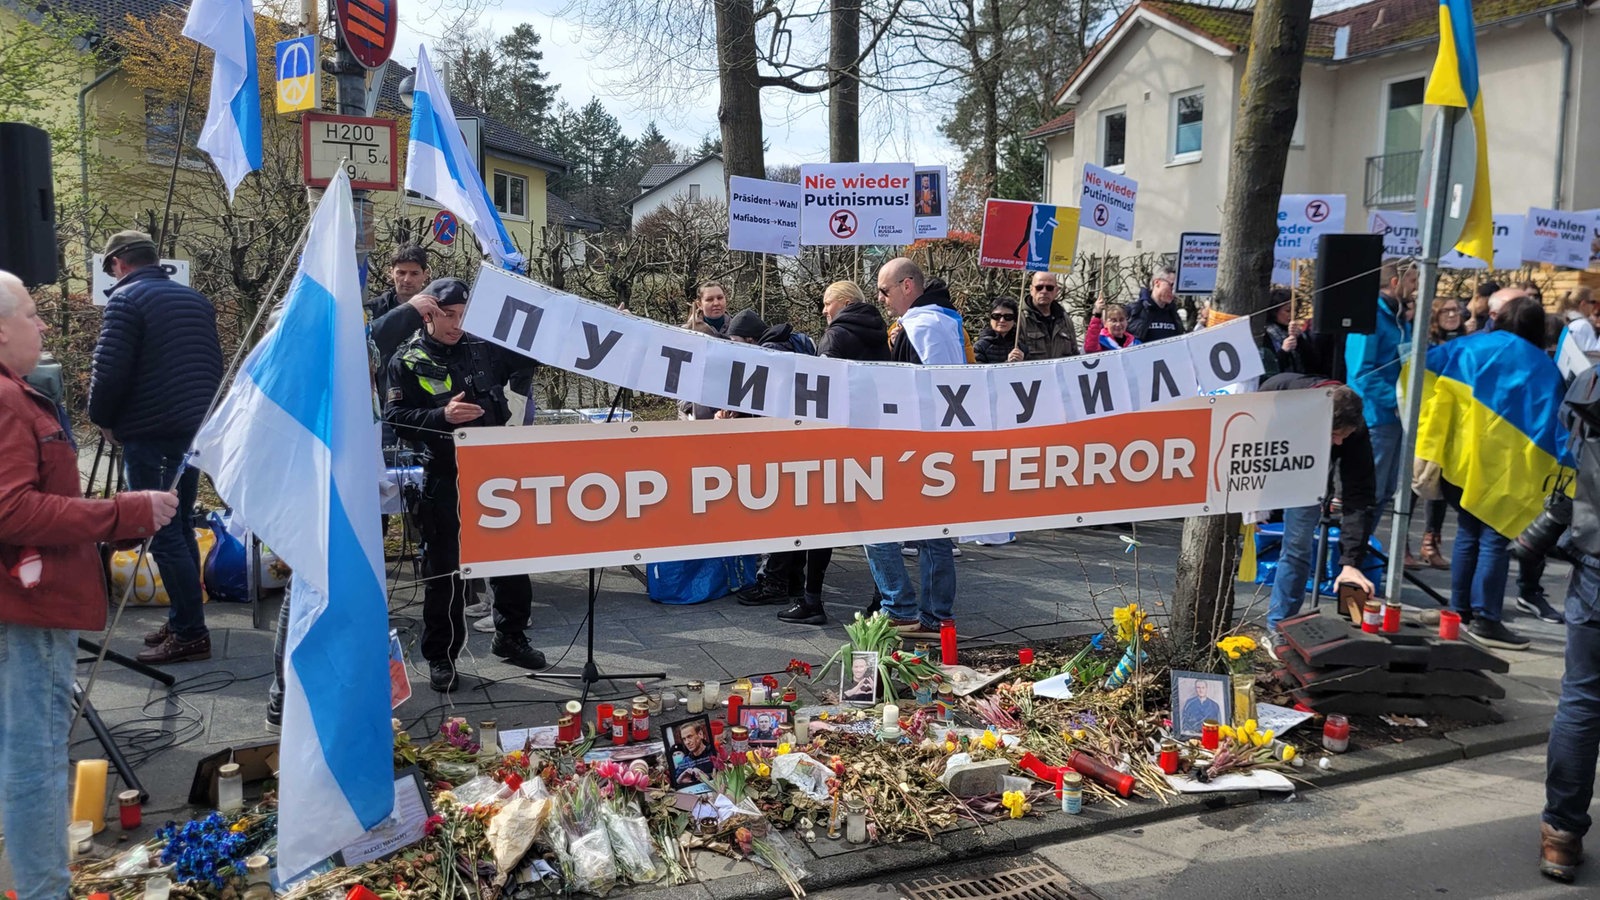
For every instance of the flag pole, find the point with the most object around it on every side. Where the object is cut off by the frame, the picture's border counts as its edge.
(177, 148)
(1427, 285)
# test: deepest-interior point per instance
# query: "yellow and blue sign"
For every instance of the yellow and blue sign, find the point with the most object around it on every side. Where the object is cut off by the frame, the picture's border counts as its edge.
(296, 64)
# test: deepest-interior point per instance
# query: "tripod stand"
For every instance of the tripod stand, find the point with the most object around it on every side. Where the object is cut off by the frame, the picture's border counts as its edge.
(591, 674)
(103, 734)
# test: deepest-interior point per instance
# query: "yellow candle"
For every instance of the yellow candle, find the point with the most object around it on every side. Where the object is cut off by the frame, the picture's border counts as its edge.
(89, 794)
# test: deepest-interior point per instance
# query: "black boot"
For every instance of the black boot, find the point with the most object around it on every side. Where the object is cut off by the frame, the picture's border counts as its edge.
(766, 592)
(806, 611)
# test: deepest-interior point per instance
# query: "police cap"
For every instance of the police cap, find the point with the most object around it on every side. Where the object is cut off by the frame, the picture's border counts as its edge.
(447, 291)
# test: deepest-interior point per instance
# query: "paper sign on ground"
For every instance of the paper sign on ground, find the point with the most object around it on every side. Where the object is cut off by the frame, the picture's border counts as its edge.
(763, 216)
(1033, 237)
(177, 270)
(856, 204)
(932, 198)
(1106, 200)
(551, 498)
(1199, 254)
(1302, 218)
(1507, 247)
(1558, 237)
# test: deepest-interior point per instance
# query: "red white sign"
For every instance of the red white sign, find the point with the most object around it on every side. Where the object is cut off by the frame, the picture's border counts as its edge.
(369, 28)
(365, 146)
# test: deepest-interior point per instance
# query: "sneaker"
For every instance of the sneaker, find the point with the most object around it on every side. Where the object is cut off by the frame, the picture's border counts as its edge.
(442, 676)
(805, 612)
(764, 593)
(484, 625)
(515, 649)
(955, 549)
(913, 628)
(1560, 853)
(159, 636)
(273, 726)
(1495, 634)
(173, 650)
(478, 610)
(1277, 646)
(908, 550)
(1537, 606)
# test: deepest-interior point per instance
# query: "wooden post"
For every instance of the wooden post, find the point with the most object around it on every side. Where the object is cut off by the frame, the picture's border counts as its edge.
(1022, 300)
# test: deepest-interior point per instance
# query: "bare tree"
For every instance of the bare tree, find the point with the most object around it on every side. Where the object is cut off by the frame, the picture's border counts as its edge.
(1269, 97)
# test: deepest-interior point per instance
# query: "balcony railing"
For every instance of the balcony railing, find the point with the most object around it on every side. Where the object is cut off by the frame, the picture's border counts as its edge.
(1392, 178)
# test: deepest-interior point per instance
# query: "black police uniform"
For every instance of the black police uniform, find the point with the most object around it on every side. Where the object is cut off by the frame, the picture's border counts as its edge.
(423, 376)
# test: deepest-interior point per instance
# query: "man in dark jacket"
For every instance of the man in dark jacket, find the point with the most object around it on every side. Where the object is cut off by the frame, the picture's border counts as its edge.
(1154, 316)
(439, 381)
(157, 367)
(1575, 733)
(855, 327)
(1352, 455)
(51, 587)
(1046, 331)
(399, 312)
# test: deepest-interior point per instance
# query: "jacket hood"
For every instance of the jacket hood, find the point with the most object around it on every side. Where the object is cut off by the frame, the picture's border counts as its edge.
(777, 334)
(862, 319)
(935, 293)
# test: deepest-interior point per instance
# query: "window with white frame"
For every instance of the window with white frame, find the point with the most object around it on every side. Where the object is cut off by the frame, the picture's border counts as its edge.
(1114, 138)
(1188, 123)
(694, 192)
(511, 195)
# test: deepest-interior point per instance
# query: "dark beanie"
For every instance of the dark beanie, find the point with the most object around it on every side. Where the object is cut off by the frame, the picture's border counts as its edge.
(747, 325)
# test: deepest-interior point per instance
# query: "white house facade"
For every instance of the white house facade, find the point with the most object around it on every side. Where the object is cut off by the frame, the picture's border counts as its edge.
(665, 183)
(1155, 100)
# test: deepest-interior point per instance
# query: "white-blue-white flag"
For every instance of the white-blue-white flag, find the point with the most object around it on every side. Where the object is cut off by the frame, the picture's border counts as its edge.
(439, 167)
(294, 449)
(232, 133)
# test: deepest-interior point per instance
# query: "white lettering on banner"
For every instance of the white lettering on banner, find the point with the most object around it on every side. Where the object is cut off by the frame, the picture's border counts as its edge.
(1302, 218)
(1558, 237)
(591, 339)
(1507, 247)
(855, 481)
(1401, 236)
(763, 216)
(931, 199)
(1199, 255)
(1106, 202)
(856, 204)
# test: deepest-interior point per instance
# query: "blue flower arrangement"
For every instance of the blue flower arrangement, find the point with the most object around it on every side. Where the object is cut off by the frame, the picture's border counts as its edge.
(204, 850)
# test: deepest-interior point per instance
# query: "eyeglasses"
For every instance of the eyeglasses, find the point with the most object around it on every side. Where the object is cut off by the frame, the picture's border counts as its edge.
(1449, 311)
(883, 291)
(1044, 287)
(1002, 317)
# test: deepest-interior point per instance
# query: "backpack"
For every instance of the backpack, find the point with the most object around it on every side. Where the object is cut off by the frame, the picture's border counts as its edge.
(800, 343)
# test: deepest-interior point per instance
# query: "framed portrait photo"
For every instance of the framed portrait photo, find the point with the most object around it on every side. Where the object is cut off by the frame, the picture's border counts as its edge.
(858, 679)
(1198, 696)
(688, 749)
(764, 723)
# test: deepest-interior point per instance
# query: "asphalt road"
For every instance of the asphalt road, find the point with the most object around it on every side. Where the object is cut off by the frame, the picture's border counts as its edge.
(1469, 829)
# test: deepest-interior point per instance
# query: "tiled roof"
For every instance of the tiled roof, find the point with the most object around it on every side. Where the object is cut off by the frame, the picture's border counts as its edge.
(559, 212)
(660, 173)
(1064, 122)
(497, 135)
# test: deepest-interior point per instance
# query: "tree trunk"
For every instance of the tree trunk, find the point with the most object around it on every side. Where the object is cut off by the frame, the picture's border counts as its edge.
(989, 75)
(844, 98)
(739, 112)
(1269, 95)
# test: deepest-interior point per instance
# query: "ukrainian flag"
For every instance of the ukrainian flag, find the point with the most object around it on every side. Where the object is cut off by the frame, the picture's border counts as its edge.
(1489, 420)
(1454, 82)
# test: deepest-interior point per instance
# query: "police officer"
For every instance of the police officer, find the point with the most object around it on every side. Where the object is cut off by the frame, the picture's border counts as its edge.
(438, 381)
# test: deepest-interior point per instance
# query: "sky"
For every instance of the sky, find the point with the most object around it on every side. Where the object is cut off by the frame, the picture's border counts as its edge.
(895, 128)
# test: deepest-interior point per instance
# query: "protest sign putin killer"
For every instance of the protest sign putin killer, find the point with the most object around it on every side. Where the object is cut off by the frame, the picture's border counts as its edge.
(1033, 237)
(763, 216)
(1402, 238)
(856, 204)
(587, 338)
(555, 497)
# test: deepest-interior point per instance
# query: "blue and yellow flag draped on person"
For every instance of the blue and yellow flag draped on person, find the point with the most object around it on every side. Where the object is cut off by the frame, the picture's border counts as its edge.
(1454, 82)
(1489, 420)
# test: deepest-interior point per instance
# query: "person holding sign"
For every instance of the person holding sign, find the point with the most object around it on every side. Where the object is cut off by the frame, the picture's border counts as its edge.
(1108, 330)
(1046, 332)
(928, 333)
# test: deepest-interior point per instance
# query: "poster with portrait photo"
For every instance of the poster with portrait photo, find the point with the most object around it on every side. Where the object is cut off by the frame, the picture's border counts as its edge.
(688, 748)
(930, 201)
(764, 723)
(858, 679)
(1198, 696)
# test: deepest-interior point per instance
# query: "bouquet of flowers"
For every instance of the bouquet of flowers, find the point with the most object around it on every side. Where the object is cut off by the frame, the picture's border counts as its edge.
(1132, 626)
(1243, 749)
(1240, 653)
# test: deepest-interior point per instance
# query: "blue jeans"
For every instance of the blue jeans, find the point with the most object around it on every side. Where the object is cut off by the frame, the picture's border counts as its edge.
(36, 671)
(1575, 733)
(152, 466)
(938, 570)
(1479, 566)
(1296, 555)
(1385, 469)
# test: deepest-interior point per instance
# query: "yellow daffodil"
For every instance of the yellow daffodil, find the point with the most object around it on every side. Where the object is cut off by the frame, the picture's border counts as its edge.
(989, 741)
(949, 746)
(1250, 725)
(1016, 802)
(1066, 736)
(783, 749)
(1288, 753)
(1078, 734)
(763, 770)
(823, 715)
(1130, 620)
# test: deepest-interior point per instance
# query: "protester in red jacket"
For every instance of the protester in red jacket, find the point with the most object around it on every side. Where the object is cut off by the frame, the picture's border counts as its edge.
(52, 584)
(1108, 330)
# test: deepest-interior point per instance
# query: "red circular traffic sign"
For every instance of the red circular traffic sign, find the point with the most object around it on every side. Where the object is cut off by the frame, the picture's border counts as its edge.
(445, 227)
(369, 28)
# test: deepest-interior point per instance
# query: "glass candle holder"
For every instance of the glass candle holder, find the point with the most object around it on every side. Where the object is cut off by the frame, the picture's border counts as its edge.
(80, 838)
(697, 696)
(855, 820)
(157, 887)
(712, 692)
(230, 789)
(488, 738)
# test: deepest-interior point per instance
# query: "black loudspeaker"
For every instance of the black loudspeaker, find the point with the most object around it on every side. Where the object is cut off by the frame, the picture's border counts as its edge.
(27, 204)
(1346, 298)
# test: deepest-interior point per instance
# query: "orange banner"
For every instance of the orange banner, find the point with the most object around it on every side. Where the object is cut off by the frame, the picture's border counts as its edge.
(548, 498)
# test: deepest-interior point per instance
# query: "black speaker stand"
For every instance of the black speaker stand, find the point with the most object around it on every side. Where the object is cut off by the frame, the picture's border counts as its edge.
(591, 674)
